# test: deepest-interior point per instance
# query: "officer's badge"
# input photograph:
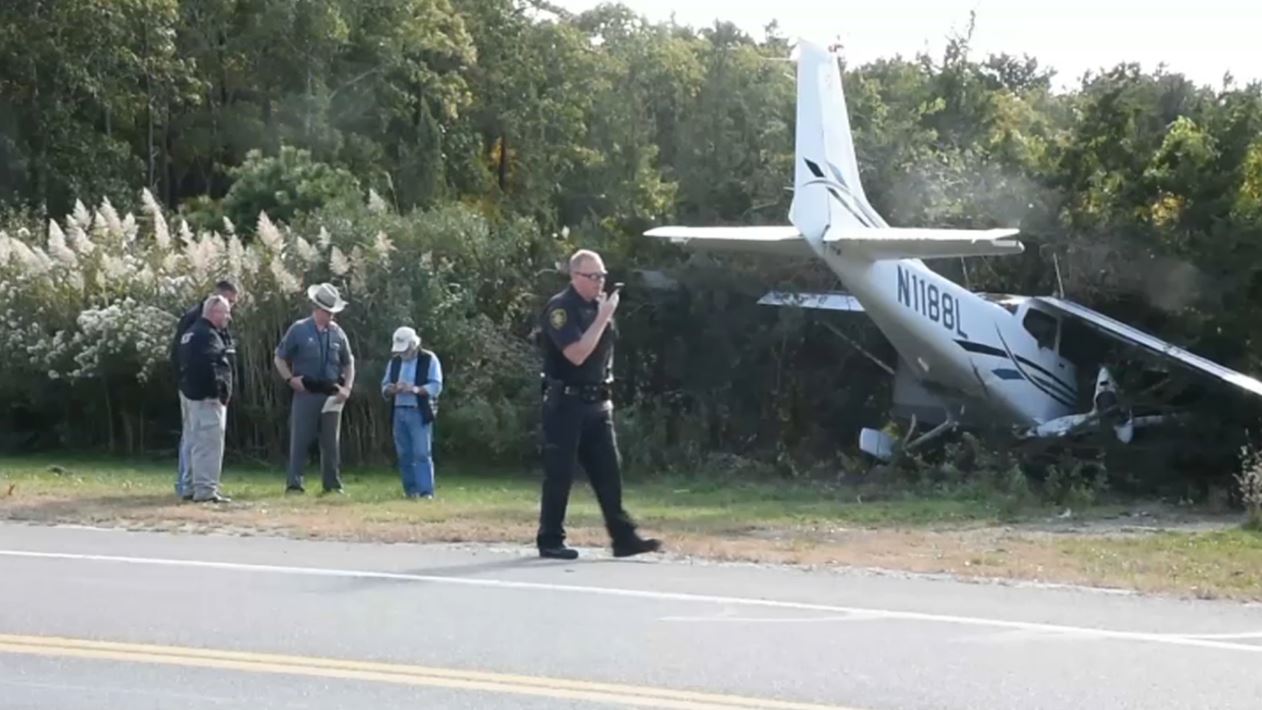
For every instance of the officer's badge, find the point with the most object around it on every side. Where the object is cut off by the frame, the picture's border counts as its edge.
(557, 318)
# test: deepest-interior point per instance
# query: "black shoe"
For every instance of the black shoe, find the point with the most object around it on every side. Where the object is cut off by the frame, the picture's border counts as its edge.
(291, 490)
(636, 547)
(560, 552)
(213, 499)
(187, 497)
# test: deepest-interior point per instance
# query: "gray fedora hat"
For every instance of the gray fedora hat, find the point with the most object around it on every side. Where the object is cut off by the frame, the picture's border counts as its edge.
(325, 296)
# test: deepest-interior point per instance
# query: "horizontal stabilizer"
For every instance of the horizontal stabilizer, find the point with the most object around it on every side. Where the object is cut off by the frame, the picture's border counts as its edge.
(915, 243)
(1135, 337)
(832, 301)
(773, 241)
(879, 243)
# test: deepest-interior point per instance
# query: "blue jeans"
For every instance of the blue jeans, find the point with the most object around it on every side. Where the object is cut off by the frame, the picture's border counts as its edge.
(412, 442)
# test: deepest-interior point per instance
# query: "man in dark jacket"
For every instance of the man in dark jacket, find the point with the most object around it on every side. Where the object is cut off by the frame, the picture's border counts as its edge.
(206, 384)
(183, 484)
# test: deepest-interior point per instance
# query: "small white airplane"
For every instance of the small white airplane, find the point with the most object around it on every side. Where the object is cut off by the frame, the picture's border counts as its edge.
(965, 358)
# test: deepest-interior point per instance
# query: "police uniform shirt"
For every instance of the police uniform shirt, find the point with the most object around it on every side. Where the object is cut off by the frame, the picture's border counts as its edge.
(565, 318)
(315, 354)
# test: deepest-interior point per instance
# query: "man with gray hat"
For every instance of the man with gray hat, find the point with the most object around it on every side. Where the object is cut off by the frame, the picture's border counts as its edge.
(315, 359)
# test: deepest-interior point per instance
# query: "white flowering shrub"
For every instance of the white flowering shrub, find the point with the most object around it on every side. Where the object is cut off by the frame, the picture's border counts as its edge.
(1249, 484)
(126, 334)
(89, 304)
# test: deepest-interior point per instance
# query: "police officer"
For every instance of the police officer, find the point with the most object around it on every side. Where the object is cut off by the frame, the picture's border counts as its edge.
(578, 338)
(315, 358)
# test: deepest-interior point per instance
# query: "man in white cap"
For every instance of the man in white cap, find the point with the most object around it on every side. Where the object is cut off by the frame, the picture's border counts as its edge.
(315, 358)
(412, 383)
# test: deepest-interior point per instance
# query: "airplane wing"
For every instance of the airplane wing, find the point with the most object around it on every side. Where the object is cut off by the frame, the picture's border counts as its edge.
(832, 300)
(918, 243)
(771, 241)
(1133, 336)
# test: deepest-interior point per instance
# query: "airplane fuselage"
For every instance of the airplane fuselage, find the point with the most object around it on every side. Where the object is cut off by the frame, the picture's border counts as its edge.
(953, 338)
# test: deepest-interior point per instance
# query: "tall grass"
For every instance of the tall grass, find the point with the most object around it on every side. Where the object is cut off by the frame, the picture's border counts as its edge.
(89, 304)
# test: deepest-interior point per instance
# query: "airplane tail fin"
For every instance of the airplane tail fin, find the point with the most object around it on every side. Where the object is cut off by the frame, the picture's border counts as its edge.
(827, 192)
(829, 204)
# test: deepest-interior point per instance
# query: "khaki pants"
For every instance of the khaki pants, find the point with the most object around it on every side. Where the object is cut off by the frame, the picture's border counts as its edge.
(208, 423)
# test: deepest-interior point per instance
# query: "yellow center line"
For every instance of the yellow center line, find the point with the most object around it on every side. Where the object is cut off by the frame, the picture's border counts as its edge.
(632, 695)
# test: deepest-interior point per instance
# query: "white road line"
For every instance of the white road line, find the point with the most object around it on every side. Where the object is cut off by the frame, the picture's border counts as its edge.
(764, 619)
(1245, 635)
(885, 614)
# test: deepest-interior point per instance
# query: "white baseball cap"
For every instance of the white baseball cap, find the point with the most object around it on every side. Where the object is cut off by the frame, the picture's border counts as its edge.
(403, 339)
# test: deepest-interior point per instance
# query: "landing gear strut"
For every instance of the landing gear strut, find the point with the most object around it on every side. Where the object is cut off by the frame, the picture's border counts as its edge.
(881, 445)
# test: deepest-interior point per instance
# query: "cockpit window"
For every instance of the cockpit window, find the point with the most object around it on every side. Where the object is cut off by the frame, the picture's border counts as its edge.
(1042, 326)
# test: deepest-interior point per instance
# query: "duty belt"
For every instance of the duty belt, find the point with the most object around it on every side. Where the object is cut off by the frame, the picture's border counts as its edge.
(586, 392)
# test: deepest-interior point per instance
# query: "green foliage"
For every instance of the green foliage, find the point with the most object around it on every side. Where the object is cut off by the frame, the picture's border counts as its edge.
(285, 186)
(1074, 483)
(987, 468)
(81, 85)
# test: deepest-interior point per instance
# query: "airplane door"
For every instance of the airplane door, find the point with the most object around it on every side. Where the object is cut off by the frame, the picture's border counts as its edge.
(1048, 333)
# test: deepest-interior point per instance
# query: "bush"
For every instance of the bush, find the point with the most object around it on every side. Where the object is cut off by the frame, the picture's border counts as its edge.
(1074, 483)
(90, 307)
(974, 467)
(284, 186)
(1249, 483)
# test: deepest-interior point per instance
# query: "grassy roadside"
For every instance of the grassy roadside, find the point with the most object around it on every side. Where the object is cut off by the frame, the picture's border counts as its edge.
(1161, 551)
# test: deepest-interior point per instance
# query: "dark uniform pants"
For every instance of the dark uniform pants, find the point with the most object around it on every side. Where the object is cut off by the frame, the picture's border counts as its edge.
(574, 431)
(307, 423)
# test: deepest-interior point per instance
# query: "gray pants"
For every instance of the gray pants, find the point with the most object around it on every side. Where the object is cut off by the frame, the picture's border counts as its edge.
(184, 476)
(306, 423)
(207, 423)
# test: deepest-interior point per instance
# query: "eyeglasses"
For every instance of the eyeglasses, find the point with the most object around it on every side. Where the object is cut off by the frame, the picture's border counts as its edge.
(595, 275)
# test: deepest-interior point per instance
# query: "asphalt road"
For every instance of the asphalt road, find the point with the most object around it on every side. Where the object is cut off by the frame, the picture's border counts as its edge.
(113, 619)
